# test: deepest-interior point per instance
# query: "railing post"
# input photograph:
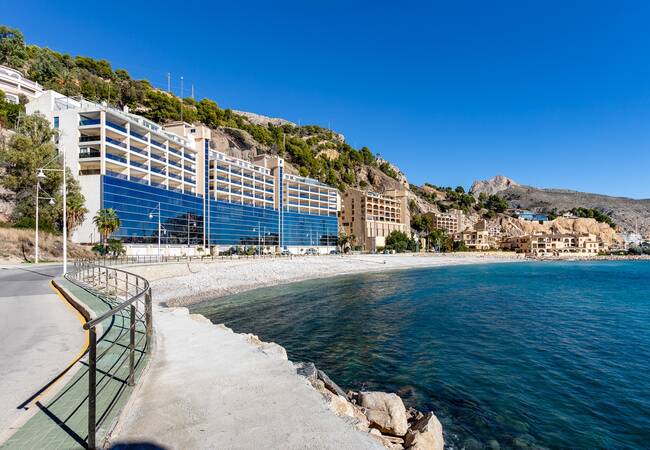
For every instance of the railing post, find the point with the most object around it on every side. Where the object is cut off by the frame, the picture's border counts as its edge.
(147, 317)
(132, 348)
(92, 386)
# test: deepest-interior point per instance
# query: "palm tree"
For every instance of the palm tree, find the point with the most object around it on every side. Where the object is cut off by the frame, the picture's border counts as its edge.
(76, 212)
(106, 221)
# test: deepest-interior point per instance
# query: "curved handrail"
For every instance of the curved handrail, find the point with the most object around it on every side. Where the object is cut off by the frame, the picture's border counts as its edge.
(127, 289)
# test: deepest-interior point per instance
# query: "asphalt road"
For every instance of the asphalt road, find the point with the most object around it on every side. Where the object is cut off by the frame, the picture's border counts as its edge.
(40, 335)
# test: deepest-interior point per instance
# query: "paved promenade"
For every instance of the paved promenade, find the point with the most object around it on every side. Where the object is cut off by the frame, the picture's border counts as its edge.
(59, 418)
(40, 334)
(210, 388)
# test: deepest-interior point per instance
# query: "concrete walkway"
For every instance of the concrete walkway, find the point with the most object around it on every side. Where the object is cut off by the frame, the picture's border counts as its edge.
(61, 419)
(208, 387)
(40, 335)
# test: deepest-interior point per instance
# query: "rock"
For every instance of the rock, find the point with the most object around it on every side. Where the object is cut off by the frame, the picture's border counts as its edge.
(413, 415)
(425, 434)
(329, 384)
(472, 444)
(386, 412)
(341, 406)
(307, 370)
(384, 440)
(274, 350)
(493, 444)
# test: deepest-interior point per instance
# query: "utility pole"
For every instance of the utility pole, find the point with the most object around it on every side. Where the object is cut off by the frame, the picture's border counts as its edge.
(192, 91)
(169, 82)
(181, 99)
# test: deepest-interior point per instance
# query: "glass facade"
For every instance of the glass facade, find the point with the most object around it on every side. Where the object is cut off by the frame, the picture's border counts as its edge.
(181, 215)
(230, 224)
(309, 230)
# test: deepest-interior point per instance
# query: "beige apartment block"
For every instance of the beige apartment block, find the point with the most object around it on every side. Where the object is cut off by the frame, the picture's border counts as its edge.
(555, 244)
(474, 239)
(371, 217)
(452, 222)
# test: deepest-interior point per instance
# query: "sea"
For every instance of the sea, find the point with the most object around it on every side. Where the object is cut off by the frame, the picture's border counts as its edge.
(508, 355)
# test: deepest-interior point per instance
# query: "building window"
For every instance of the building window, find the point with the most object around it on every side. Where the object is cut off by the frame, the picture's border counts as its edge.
(56, 122)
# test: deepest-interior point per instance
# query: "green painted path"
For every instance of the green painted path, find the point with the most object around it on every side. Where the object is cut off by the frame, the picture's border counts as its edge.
(62, 421)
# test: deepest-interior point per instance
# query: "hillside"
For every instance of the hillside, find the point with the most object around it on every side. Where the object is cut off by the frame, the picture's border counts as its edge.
(627, 213)
(311, 150)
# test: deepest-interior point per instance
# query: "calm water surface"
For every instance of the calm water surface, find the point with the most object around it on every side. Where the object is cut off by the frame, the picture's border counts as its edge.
(524, 355)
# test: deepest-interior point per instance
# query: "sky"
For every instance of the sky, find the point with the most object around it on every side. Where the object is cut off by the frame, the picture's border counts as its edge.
(551, 94)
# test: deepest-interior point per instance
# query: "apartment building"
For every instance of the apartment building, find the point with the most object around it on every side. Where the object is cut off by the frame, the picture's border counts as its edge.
(204, 198)
(14, 84)
(555, 244)
(452, 222)
(371, 217)
(475, 239)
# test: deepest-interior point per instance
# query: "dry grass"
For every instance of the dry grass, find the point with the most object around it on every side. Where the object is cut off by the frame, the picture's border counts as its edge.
(17, 245)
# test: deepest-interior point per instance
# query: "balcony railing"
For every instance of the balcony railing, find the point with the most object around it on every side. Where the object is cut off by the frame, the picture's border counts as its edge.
(157, 170)
(85, 122)
(89, 138)
(177, 152)
(138, 164)
(173, 175)
(138, 135)
(115, 142)
(159, 158)
(116, 175)
(90, 154)
(138, 150)
(174, 163)
(158, 144)
(116, 158)
(116, 126)
(189, 179)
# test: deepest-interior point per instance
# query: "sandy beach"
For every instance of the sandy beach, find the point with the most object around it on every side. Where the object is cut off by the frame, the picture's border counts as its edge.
(184, 284)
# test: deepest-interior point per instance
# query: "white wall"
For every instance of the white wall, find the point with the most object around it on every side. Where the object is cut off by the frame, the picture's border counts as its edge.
(91, 188)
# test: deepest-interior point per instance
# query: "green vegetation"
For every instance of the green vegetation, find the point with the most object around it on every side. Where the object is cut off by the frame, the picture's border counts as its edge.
(593, 213)
(400, 242)
(96, 80)
(107, 222)
(9, 112)
(436, 238)
(28, 150)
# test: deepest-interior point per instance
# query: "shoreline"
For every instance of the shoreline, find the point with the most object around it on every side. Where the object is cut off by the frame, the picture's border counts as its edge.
(187, 284)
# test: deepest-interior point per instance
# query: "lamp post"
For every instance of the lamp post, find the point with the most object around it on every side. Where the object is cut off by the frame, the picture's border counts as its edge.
(41, 176)
(259, 237)
(51, 201)
(188, 230)
(151, 217)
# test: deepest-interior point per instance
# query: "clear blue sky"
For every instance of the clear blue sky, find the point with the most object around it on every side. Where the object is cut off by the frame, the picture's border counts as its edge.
(550, 93)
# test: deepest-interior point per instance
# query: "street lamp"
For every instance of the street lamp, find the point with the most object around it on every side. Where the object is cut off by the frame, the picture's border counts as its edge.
(259, 237)
(38, 197)
(188, 230)
(41, 176)
(151, 217)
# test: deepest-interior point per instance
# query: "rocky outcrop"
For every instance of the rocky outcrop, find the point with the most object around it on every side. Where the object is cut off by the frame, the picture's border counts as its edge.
(259, 119)
(425, 434)
(627, 213)
(492, 186)
(386, 412)
(380, 414)
(519, 227)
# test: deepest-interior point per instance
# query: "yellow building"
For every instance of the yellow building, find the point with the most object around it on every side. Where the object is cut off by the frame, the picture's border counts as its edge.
(371, 217)
(474, 239)
(452, 222)
(555, 244)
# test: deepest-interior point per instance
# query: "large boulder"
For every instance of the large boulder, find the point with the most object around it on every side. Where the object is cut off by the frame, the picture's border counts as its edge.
(385, 411)
(425, 434)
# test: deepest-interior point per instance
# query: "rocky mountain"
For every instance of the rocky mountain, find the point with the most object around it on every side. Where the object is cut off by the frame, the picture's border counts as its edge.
(627, 213)
(492, 186)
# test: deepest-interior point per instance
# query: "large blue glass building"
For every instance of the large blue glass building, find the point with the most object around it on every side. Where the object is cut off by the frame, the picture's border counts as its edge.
(171, 174)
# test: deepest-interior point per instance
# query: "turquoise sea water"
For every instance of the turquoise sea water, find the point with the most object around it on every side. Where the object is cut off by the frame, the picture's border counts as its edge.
(552, 355)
